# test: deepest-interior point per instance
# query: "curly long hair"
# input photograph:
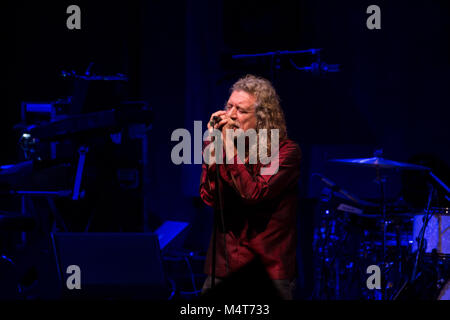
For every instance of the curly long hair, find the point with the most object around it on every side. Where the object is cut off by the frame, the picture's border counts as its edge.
(269, 114)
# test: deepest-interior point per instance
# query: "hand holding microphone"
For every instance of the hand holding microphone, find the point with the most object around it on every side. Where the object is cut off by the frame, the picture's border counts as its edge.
(220, 121)
(217, 120)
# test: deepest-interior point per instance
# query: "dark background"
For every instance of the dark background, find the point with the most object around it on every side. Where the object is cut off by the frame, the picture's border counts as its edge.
(391, 92)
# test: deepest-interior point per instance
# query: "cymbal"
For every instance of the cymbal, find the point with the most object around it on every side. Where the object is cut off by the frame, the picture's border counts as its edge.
(379, 163)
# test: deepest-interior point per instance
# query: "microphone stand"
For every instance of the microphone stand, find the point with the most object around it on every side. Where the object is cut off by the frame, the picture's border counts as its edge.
(219, 200)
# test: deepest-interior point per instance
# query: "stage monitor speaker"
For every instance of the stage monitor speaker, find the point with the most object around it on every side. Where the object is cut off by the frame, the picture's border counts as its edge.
(110, 266)
(169, 231)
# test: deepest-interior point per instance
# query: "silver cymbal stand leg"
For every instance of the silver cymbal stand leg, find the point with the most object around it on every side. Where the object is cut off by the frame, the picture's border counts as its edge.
(421, 241)
(382, 181)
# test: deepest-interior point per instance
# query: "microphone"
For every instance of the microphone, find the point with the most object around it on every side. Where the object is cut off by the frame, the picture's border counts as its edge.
(215, 120)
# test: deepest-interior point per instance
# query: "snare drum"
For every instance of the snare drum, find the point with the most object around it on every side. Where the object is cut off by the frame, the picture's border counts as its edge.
(437, 232)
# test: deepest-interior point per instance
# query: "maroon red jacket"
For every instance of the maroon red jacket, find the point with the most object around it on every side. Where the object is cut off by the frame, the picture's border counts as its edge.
(259, 213)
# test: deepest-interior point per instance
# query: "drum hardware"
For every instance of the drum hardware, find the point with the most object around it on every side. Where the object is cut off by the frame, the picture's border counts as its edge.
(338, 264)
(346, 194)
(340, 260)
(380, 164)
(425, 241)
(396, 247)
(415, 275)
(422, 234)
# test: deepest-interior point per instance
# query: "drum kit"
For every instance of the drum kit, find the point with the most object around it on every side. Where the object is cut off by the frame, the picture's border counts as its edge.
(411, 248)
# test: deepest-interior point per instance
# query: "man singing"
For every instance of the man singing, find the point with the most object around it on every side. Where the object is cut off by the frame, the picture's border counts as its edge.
(259, 208)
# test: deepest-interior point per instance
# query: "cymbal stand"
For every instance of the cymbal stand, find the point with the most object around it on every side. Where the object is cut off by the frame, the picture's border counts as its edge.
(382, 181)
(421, 241)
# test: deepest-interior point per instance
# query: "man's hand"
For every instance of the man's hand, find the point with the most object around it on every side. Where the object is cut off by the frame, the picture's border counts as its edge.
(212, 125)
(225, 123)
(229, 124)
(220, 114)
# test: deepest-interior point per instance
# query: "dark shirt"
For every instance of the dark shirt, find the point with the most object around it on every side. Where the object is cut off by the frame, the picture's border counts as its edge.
(259, 213)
